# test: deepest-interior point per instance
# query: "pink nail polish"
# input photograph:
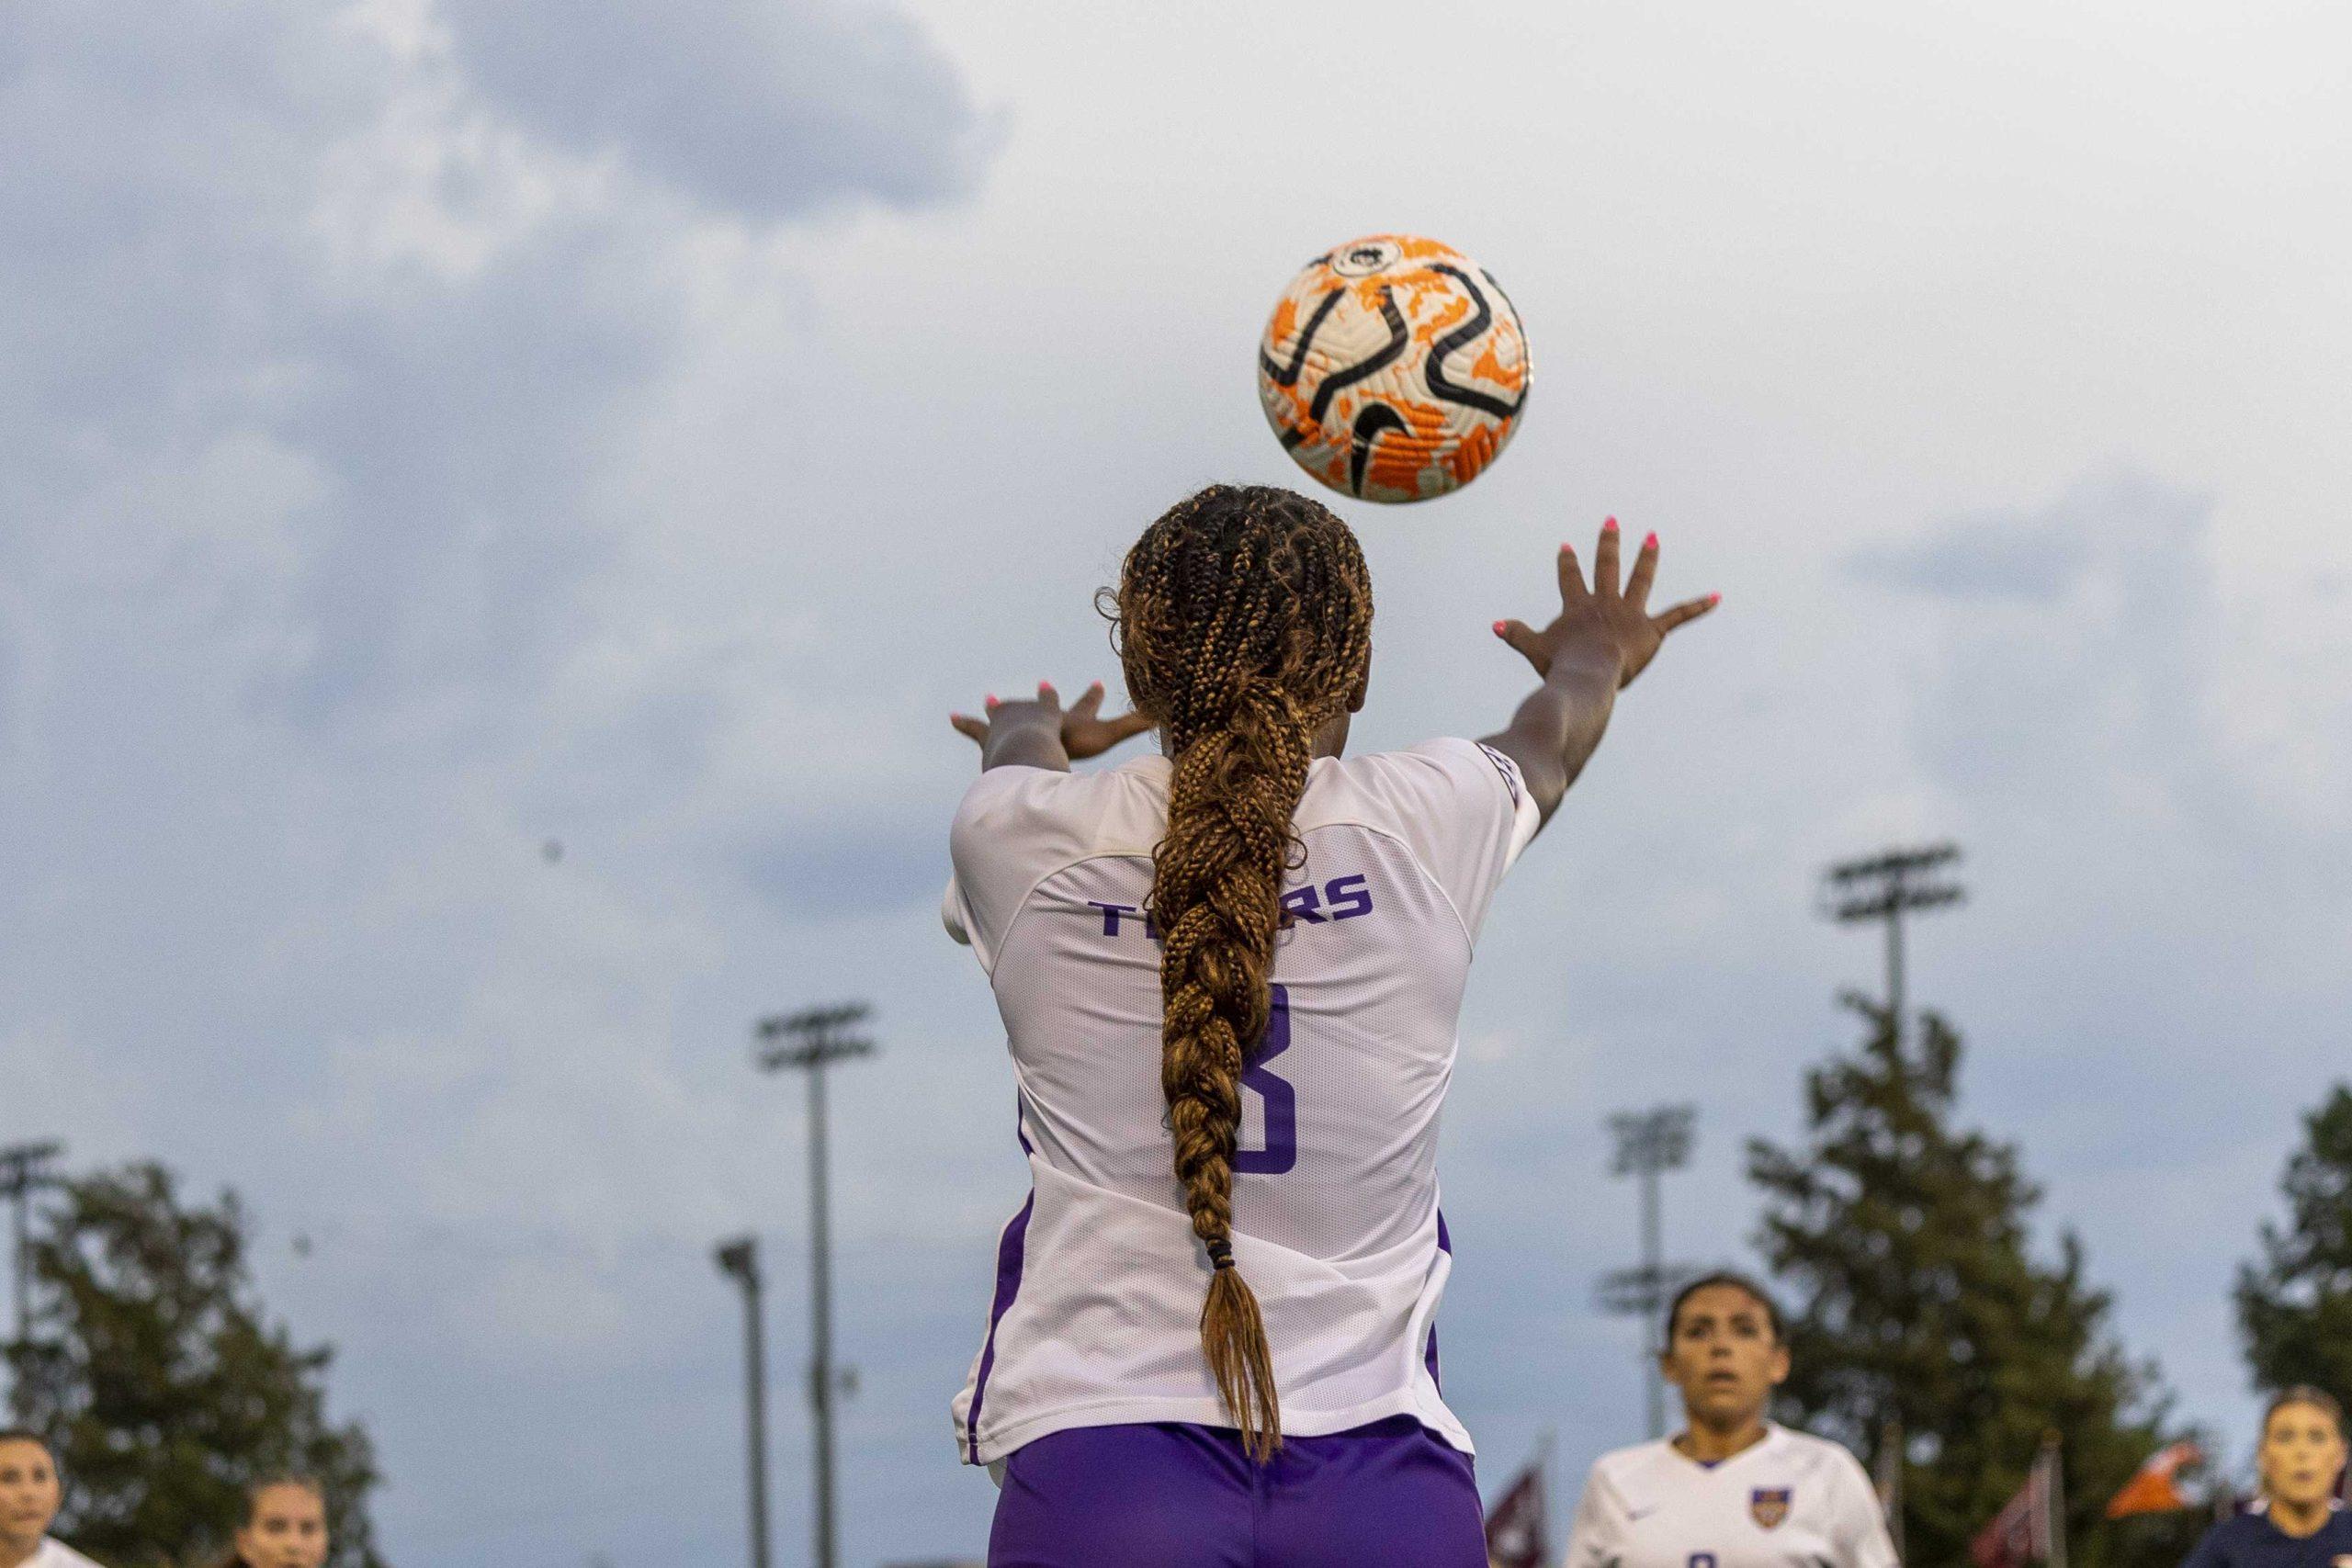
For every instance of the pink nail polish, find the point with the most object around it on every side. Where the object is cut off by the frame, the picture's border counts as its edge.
(1499, 629)
(1568, 549)
(991, 699)
(1651, 542)
(1609, 525)
(1714, 598)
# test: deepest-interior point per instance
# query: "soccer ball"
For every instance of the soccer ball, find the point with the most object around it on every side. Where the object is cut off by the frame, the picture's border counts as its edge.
(1394, 368)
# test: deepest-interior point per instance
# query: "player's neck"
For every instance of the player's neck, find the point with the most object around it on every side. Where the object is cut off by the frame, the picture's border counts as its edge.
(1703, 1444)
(2298, 1519)
(13, 1555)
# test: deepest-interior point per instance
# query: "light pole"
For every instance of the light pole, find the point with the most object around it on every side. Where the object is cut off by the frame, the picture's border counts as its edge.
(25, 1169)
(808, 1040)
(1649, 1143)
(740, 1260)
(1880, 888)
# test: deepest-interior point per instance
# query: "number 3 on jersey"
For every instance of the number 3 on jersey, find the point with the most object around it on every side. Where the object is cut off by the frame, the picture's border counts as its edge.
(1280, 1095)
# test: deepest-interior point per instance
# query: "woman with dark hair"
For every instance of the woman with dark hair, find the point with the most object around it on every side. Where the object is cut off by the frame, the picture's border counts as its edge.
(1731, 1489)
(286, 1526)
(2300, 1520)
(30, 1491)
(1230, 975)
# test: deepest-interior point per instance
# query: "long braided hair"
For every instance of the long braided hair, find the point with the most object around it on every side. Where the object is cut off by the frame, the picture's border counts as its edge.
(1243, 620)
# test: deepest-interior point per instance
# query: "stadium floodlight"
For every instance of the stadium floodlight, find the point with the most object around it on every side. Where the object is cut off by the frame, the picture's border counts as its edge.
(740, 1260)
(808, 1040)
(25, 1169)
(1881, 888)
(1649, 1143)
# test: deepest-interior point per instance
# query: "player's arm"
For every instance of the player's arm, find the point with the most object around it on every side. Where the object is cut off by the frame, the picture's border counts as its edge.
(1042, 734)
(1603, 637)
(1597, 1535)
(1860, 1532)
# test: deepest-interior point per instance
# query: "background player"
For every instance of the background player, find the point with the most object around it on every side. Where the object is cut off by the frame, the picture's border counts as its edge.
(2299, 1521)
(286, 1526)
(1230, 976)
(30, 1491)
(1732, 1489)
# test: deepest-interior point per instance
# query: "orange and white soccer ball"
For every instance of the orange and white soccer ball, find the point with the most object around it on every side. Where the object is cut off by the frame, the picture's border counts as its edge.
(1394, 368)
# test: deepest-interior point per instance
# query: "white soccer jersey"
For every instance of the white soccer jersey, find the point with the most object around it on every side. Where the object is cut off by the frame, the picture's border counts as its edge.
(54, 1553)
(1096, 1314)
(1792, 1501)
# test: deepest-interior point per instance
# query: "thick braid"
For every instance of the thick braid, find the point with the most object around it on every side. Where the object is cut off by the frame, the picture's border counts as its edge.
(1243, 622)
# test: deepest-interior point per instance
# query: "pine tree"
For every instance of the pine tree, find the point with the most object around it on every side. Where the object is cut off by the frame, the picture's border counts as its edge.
(164, 1387)
(2295, 1305)
(1918, 1299)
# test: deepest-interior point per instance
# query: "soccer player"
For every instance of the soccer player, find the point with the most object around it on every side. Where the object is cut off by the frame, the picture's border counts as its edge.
(2299, 1521)
(1229, 975)
(286, 1526)
(29, 1494)
(1732, 1489)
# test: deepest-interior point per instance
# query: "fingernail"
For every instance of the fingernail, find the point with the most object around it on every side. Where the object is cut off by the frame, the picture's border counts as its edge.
(991, 699)
(1650, 543)
(1045, 688)
(1499, 629)
(1714, 598)
(1568, 549)
(1609, 525)
(1095, 687)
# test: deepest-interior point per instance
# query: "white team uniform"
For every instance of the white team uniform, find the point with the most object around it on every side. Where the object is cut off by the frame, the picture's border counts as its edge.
(1792, 1501)
(54, 1553)
(1096, 1314)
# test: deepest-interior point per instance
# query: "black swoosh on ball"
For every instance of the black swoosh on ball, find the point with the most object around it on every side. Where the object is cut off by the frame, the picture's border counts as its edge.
(1287, 376)
(1375, 417)
(1333, 385)
(1433, 368)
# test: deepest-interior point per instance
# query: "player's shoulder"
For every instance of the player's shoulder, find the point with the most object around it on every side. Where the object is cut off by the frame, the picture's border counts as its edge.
(1636, 1469)
(1411, 782)
(1811, 1449)
(1807, 1453)
(55, 1553)
(1077, 809)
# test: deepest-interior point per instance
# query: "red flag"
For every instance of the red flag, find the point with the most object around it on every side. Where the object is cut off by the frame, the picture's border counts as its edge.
(1515, 1527)
(2026, 1529)
(2155, 1489)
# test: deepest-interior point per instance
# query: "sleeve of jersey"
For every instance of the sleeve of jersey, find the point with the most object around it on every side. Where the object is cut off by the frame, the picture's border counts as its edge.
(1468, 815)
(1009, 831)
(1596, 1537)
(1862, 1536)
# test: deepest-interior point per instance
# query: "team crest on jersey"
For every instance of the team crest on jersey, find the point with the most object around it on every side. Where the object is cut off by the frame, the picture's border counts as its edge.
(1767, 1506)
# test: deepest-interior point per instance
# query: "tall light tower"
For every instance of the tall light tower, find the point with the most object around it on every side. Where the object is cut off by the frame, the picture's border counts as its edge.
(1880, 888)
(740, 1260)
(809, 1040)
(1649, 1143)
(24, 1170)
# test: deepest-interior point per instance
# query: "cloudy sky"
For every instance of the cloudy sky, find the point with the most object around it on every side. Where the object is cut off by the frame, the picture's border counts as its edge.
(440, 427)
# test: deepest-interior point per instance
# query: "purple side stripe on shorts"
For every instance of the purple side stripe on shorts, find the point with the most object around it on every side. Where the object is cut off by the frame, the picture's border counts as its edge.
(1444, 1244)
(1008, 1259)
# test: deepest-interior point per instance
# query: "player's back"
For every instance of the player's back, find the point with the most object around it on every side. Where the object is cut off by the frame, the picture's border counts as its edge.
(1335, 1192)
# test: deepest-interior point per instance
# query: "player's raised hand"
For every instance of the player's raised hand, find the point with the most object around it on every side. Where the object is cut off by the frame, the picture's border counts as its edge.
(1083, 730)
(1605, 622)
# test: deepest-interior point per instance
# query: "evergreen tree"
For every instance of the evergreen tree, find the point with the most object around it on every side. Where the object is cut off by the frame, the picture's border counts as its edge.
(164, 1387)
(1918, 1300)
(2295, 1305)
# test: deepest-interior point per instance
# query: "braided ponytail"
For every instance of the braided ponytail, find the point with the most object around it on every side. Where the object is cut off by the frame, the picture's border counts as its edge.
(1243, 622)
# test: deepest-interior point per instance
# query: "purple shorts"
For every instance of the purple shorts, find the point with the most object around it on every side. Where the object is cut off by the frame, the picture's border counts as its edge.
(1180, 1496)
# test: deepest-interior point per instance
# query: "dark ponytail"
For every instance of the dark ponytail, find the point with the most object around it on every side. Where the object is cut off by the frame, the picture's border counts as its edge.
(1244, 624)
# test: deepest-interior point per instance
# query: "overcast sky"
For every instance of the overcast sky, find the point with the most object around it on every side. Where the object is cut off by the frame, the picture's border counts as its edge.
(440, 427)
